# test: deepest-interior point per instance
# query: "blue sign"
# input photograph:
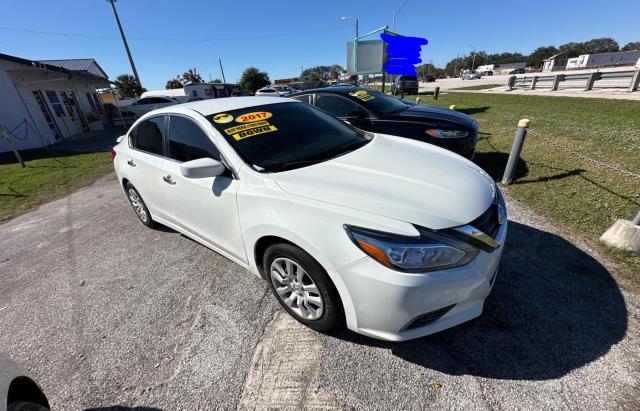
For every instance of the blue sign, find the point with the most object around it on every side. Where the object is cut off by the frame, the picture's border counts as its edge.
(402, 53)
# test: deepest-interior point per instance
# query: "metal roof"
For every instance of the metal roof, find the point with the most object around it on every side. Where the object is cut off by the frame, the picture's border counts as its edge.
(75, 64)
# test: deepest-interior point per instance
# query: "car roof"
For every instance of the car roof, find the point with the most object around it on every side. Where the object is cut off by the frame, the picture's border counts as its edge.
(217, 105)
(337, 89)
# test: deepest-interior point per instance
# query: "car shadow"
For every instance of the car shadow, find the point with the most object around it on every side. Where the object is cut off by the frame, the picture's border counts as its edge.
(553, 309)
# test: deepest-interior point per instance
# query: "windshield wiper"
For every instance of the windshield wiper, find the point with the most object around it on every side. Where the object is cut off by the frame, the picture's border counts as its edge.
(292, 164)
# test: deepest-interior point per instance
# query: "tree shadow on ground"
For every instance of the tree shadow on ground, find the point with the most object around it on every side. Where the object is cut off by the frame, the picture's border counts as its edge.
(473, 110)
(553, 309)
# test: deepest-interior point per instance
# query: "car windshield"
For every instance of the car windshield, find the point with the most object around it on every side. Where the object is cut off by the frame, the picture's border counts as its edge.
(283, 136)
(378, 102)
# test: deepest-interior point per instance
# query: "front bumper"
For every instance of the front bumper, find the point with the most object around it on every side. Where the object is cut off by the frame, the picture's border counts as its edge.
(386, 303)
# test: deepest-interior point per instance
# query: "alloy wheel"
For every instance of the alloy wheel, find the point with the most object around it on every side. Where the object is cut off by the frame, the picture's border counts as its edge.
(296, 288)
(138, 205)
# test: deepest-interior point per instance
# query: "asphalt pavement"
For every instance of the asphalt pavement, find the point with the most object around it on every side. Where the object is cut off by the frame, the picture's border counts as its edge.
(107, 313)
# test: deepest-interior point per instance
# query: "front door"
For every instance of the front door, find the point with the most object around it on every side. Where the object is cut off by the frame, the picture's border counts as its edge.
(205, 207)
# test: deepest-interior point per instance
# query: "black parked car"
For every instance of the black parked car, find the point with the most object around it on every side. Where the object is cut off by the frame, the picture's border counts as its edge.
(410, 85)
(373, 111)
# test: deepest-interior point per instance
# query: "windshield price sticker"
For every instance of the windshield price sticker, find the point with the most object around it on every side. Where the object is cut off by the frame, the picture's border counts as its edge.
(222, 118)
(243, 127)
(254, 132)
(362, 95)
(254, 116)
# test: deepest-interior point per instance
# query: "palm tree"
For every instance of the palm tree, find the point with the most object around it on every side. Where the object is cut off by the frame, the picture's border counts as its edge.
(127, 86)
(191, 76)
(174, 83)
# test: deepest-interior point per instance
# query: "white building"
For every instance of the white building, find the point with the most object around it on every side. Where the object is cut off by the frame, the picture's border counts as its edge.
(42, 102)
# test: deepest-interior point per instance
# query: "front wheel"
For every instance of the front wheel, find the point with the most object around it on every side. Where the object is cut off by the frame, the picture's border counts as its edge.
(303, 287)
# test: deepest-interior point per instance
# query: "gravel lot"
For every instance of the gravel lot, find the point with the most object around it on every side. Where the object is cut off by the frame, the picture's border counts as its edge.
(106, 313)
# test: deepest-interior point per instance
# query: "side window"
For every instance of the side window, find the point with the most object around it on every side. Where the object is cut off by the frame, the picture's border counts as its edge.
(148, 136)
(339, 106)
(305, 99)
(187, 141)
(143, 101)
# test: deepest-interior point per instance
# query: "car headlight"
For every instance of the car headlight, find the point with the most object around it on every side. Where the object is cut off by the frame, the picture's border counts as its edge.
(440, 133)
(427, 252)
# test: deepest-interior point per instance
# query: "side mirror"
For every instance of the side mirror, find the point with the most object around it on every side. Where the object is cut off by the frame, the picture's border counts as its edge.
(202, 168)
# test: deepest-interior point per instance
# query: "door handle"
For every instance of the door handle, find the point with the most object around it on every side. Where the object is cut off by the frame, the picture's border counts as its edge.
(167, 179)
(131, 163)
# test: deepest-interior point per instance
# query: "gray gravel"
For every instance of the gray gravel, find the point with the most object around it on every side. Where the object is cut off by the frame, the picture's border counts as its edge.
(105, 312)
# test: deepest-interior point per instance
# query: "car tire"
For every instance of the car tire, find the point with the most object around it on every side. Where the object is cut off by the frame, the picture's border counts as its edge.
(25, 406)
(138, 205)
(303, 292)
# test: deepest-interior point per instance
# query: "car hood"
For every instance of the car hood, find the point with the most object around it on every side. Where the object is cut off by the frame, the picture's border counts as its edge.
(398, 178)
(419, 112)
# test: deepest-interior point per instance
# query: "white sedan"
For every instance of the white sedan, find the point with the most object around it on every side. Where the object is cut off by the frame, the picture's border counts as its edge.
(270, 91)
(396, 238)
(146, 104)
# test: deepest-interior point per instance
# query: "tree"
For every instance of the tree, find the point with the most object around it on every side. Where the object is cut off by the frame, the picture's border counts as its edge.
(127, 86)
(174, 83)
(631, 46)
(601, 45)
(191, 76)
(253, 79)
(535, 59)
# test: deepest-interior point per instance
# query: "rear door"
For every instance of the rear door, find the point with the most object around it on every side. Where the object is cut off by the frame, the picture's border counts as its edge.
(206, 207)
(144, 163)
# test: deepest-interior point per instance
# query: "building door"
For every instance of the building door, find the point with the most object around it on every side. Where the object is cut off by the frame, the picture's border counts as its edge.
(60, 114)
(46, 113)
(74, 104)
(64, 97)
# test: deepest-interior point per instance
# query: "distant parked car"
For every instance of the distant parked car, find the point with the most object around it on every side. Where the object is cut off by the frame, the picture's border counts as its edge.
(18, 391)
(269, 91)
(410, 85)
(429, 78)
(517, 71)
(471, 76)
(284, 90)
(146, 104)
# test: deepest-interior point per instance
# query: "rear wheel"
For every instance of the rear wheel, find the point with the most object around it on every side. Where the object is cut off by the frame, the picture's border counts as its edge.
(139, 206)
(303, 287)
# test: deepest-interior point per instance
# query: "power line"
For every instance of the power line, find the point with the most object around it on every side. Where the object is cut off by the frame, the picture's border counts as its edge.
(92, 36)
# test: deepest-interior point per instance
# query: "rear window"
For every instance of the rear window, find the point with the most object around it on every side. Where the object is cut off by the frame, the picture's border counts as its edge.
(275, 137)
(410, 78)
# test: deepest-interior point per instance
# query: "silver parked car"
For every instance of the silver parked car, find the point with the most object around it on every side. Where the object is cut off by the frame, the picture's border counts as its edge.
(18, 391)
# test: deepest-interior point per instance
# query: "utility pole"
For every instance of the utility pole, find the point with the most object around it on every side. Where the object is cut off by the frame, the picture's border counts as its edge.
(222, 71)
(124, 40)
(473, 61)
(395, 13)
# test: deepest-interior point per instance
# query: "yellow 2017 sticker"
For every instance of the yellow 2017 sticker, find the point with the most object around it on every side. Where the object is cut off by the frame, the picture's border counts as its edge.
(254, 116)
(362, 95)
(254, 132)
(223, 118)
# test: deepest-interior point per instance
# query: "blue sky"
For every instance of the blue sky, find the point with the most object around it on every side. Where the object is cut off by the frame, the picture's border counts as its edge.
(280, 37)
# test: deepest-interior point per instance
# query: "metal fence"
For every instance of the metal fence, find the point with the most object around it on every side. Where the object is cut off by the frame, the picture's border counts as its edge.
(628, 79)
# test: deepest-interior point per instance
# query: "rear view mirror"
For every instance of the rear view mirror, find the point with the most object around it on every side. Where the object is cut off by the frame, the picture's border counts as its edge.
(202, 168)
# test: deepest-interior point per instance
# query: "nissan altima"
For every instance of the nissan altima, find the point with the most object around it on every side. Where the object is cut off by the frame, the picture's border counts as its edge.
(393, 237)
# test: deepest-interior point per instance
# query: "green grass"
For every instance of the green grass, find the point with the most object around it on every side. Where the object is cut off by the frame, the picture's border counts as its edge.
(49, 174)
(479, 87)
(583, 196)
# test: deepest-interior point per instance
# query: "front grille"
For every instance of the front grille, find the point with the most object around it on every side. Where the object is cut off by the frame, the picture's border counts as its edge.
(428, 318)
(489, 222)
